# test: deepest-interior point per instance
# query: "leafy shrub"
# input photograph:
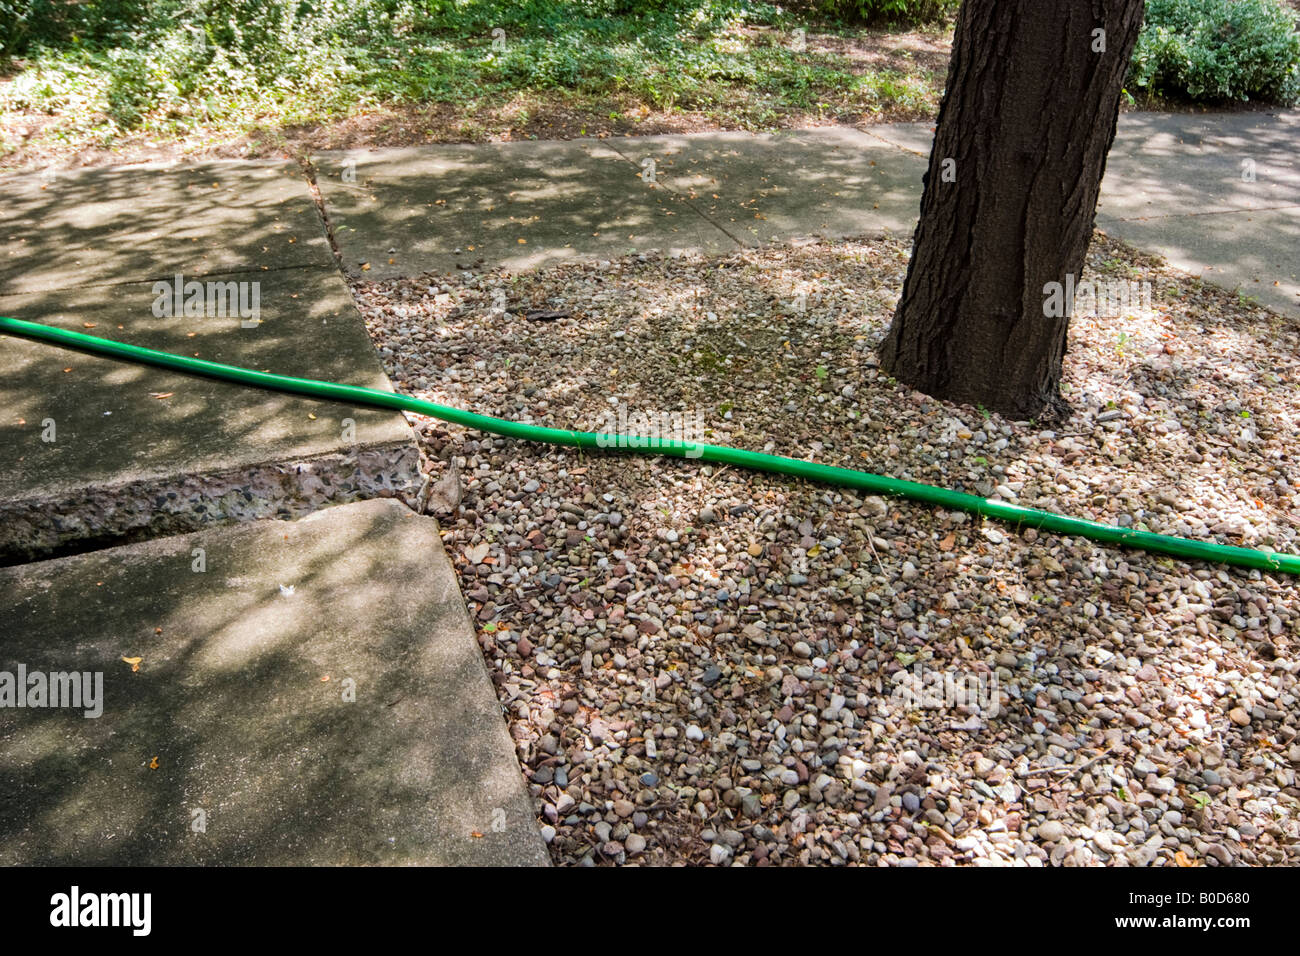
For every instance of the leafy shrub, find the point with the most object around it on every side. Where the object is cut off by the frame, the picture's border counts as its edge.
(1219, 50)
(889, 11)
(14, 24)
(166, 59)
(104, 68)
(28, 23)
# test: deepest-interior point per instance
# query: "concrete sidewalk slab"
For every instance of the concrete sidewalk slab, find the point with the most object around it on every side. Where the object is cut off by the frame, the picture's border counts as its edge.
(517, 205)
(1256, 253)
(1166, 165)
(1217, 195)
(137, 223)
(915, 138)
(1188, 162)
(229, 746)
(1164, 172)
(835, 181)
(99, 451)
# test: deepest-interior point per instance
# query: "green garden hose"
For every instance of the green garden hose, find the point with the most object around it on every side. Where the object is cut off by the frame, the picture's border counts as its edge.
(826, 474)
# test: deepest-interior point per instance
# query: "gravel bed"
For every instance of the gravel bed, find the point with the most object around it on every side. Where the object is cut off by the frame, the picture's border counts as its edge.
(704, 665)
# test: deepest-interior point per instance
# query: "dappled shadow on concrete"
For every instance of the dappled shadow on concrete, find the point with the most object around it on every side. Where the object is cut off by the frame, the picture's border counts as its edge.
(830, 182)
(1218, 196)
(241, 698)
(517, 204)
(523, 205)
(122, 229)
(118, 421)
(1187, 164)
(132, 224)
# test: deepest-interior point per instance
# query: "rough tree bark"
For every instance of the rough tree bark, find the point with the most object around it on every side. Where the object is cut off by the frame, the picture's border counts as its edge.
(1010, 197)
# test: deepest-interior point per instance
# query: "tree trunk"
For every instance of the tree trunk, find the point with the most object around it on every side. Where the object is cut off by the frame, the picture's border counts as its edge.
(1010, 198)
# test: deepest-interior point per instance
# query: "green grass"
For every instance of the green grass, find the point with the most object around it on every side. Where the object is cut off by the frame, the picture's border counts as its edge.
(100, 73)
(102, 70)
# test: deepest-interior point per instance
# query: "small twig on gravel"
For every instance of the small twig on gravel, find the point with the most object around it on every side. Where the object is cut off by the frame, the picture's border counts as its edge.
(1070, 772)
(872, 545)
(661, 805)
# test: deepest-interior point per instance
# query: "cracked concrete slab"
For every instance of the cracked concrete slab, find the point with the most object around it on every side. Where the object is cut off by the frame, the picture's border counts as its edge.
(100, 451)
(402, 212)
(314, 696)
(834, 181)
(915, 138)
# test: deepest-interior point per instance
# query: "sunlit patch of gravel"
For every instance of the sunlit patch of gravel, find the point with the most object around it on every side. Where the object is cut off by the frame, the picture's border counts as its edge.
(700, 664)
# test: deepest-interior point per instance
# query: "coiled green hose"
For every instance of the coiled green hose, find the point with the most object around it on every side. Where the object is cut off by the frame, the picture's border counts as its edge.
(825, 474)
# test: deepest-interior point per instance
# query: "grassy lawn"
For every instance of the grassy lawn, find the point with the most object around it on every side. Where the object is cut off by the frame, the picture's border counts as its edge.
(258, 77)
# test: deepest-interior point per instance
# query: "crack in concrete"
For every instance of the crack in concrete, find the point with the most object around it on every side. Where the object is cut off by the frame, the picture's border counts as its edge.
(666, 180)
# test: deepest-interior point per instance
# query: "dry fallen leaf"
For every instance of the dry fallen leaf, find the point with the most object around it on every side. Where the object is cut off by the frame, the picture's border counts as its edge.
(153, 764)
(948, 541)
(134, 662)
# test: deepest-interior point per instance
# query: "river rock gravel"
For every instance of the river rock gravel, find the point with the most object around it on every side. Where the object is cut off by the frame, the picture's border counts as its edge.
(702, 665)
